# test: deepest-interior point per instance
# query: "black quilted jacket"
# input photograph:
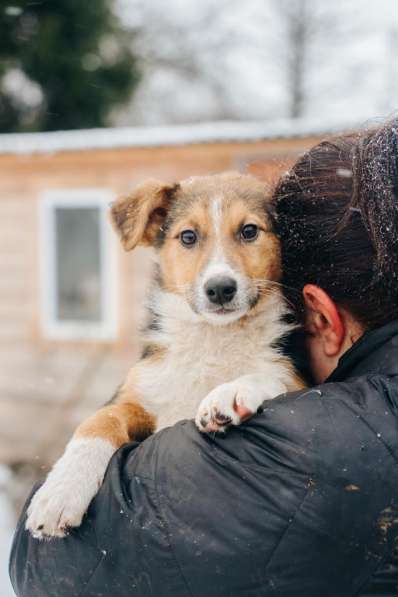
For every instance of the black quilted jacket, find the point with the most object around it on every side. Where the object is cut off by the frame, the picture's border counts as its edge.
(298, 502)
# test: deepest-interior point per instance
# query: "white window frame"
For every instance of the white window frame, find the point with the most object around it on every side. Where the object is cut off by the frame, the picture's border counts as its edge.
(76, 330)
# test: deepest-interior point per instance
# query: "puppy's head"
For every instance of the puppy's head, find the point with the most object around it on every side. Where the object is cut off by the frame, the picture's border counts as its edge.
(214, 240)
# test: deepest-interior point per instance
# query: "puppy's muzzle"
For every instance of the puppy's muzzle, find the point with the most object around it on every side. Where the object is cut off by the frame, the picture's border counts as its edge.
(220, 290)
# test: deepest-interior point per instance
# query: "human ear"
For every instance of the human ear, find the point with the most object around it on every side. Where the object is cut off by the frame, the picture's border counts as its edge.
(324, 319)
(138, 217)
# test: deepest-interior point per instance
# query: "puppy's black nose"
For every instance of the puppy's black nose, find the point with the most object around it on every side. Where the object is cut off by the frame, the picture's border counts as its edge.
(220, 290)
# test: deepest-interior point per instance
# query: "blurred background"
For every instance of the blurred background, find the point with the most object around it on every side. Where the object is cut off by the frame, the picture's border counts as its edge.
(95, 97)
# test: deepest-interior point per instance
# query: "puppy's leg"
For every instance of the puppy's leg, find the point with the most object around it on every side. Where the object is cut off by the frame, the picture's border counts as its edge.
(63, 499)
(233, 402)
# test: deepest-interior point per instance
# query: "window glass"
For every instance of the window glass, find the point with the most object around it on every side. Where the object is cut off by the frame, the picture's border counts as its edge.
(78, 264)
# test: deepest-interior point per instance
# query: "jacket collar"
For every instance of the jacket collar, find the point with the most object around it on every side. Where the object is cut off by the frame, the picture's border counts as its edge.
(375, 352)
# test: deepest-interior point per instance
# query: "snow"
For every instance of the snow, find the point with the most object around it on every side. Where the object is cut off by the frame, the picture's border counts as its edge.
(205, 132)
(21, 88)
(13, 11)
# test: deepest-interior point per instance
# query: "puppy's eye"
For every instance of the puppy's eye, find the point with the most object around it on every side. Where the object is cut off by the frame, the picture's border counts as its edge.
(249, 232)
(188, 238)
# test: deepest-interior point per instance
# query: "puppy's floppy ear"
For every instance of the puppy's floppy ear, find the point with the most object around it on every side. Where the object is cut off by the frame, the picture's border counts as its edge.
(138, 217)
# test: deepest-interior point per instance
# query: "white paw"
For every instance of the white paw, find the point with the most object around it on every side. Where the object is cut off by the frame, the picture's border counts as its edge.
(231, 403)
(64, 498)
(54, 508)
(220, 408)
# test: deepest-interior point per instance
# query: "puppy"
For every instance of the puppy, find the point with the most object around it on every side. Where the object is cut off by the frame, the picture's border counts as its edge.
(216, 317)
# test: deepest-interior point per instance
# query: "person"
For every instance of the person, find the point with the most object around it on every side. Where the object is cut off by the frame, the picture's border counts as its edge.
(301, 500)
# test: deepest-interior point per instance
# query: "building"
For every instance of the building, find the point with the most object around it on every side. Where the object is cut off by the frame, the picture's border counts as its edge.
(71, 300)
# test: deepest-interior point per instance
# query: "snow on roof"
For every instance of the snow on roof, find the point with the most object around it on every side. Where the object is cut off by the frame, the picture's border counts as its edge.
(163, 136)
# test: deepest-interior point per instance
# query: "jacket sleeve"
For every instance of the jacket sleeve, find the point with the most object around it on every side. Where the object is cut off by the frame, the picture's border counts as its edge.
(116, 550)
(287, 505)
(55, 567)
(58, 567)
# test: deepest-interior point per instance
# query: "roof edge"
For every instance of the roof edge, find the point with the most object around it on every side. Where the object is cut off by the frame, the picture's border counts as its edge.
(175, 135)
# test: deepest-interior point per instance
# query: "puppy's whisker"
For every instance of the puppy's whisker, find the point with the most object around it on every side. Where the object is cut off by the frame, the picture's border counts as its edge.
(278, 284)
(264, 287)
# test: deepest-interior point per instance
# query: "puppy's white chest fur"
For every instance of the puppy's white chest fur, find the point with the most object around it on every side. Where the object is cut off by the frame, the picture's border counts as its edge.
(194, 356)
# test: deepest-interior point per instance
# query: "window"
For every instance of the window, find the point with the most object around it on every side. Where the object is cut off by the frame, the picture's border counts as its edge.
(77, 258)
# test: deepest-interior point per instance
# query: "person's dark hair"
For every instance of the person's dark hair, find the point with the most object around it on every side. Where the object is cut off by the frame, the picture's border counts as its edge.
(336, 213)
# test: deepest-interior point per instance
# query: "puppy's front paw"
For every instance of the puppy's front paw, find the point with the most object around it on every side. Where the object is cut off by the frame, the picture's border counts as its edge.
(228, 404)
(64, 498)
(55, 507)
